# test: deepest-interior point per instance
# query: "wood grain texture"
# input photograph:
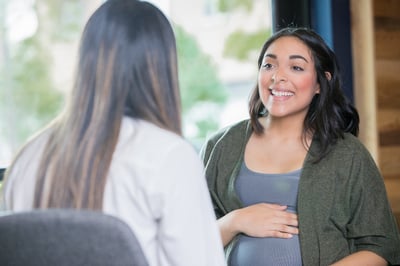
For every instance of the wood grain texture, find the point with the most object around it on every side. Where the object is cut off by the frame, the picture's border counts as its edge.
(388, 119)
(393, 191)
(389, 162)
(386, 15)
(387, 43)
(386, 8)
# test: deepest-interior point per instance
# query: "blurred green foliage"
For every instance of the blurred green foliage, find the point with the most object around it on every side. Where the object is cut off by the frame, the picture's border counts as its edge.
(67, 16)
(197, 74)
(33, 99)
(199, 83)
(240, 44)
(230, 5)
(33, 91)
(36, 101)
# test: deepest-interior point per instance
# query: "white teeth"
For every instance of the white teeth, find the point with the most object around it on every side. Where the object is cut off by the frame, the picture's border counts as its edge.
(282, 93)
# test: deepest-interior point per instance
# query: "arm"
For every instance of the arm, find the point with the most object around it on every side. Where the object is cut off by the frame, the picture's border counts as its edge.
(364, 258)
(259, 220)
(372, 227)
(355, 202)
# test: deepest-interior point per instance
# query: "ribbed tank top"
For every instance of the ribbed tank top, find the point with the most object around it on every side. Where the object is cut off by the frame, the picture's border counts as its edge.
(252, 188)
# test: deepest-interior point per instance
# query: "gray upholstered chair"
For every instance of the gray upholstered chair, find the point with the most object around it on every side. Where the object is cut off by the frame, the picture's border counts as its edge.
(67, 238)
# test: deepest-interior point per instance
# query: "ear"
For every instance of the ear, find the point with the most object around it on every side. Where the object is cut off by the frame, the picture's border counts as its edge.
(318, 90)
(328, 75)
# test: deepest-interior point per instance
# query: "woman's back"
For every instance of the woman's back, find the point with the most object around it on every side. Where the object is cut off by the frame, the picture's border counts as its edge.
(155, 184)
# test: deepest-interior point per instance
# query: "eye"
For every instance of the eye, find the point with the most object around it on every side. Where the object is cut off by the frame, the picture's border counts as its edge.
(297, 68)
(267, 65)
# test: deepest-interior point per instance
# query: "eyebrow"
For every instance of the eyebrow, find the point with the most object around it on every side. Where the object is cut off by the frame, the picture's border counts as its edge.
(290, 57)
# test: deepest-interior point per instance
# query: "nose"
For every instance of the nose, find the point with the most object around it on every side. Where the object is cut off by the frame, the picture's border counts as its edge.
(278, 76)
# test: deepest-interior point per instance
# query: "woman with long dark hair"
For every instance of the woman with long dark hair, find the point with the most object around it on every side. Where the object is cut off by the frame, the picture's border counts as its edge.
(292, 185)
(118, 148)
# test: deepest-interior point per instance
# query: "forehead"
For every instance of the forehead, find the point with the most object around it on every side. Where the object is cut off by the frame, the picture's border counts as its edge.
(287, 46)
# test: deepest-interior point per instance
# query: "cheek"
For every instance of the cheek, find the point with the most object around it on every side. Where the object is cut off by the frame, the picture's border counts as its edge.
(263, 79)
(263, 85)
(260, 77)
(307, 85)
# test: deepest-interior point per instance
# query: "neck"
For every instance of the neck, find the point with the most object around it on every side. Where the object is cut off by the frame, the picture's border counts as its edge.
(284, 127)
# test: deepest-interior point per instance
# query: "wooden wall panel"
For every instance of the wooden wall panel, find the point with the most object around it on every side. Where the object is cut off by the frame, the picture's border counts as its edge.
(386, 8)
(393, 189)
(387, 71)
(389, 119)
(388, 95)
(390, 162)
(387, 43)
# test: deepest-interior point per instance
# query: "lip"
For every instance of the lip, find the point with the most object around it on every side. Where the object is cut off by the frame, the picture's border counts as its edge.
(280, 94)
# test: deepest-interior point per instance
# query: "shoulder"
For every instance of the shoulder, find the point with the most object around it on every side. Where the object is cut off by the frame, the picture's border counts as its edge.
(228, 136)
(31, 152)
(20, 176)
(151, 159)
(230, 133)
(343, 148)
(150, 143)
(350, 145)
(349, 159)
(350, 141)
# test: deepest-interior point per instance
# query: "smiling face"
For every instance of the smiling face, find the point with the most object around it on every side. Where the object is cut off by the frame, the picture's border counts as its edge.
(287, 79)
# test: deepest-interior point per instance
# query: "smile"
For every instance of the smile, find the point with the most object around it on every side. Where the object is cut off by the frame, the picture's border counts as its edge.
(281, 93)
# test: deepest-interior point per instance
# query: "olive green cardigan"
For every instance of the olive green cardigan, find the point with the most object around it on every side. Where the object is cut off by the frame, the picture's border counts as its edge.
(342, 201)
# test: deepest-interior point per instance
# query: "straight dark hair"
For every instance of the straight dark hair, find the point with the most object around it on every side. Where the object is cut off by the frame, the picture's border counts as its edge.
(330, 114)
(127, 67)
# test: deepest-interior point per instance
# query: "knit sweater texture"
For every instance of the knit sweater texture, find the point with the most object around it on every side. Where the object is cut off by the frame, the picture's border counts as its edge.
(342, 202)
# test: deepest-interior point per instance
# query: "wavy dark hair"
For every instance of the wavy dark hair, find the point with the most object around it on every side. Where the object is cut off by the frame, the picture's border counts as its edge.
(127, 67)
(330, 114)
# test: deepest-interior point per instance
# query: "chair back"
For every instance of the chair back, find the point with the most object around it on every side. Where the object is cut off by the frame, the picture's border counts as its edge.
(67, 238)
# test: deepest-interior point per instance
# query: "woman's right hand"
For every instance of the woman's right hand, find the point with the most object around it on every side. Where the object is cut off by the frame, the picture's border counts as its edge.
(259, 220)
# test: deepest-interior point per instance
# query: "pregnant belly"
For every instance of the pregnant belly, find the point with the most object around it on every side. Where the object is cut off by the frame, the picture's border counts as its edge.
(253, 251)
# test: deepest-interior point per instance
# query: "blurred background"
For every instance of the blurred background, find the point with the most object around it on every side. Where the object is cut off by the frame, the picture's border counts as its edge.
(218, 43)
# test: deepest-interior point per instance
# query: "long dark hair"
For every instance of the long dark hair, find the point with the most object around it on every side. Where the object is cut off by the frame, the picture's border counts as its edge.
(330, 114)
(127, 66)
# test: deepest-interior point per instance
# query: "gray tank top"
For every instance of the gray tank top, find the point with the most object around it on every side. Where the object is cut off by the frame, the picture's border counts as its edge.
(255, 188)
